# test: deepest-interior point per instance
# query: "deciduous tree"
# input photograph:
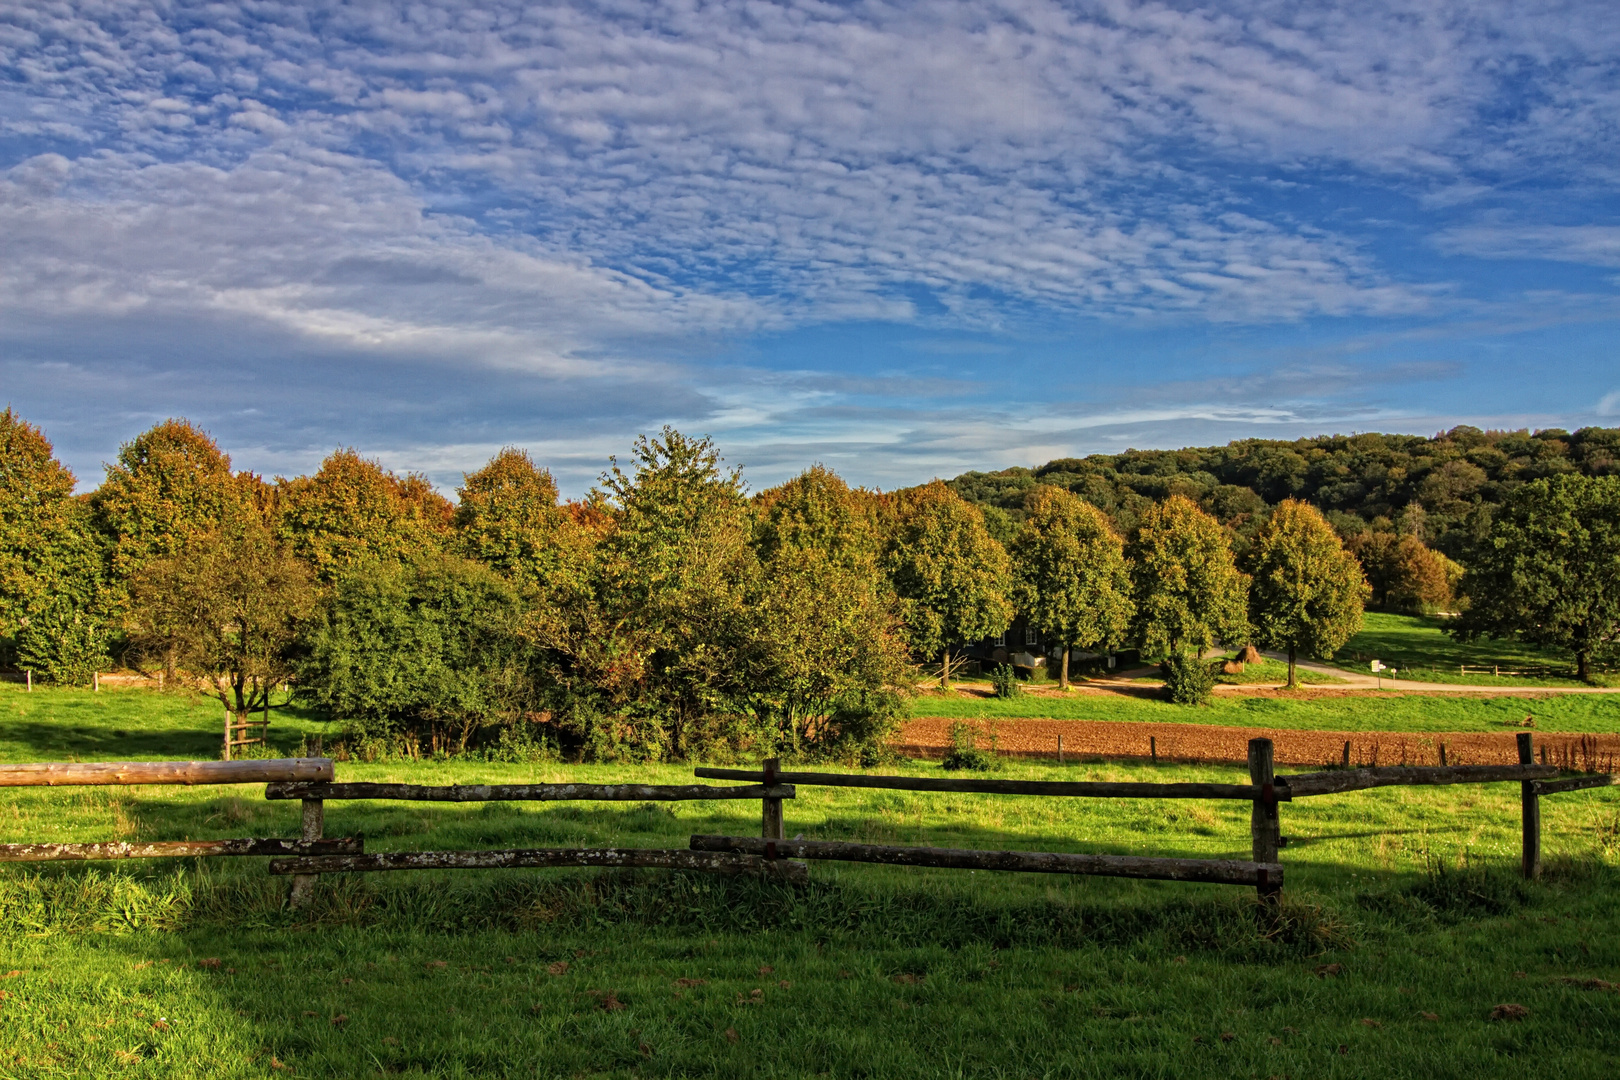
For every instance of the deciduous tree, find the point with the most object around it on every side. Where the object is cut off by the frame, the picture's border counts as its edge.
(1072, 579)
(426, 649)
(354, 511)
(1184, 580)
(169, 484)
(953, 579)
(1307, 590)
(826, 662)
(1549, 571)
(223, 613)
(507, 517)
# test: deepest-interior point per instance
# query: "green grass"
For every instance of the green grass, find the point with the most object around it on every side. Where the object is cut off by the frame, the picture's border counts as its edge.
(887, 972)
(1420, 648)
(1348, 712)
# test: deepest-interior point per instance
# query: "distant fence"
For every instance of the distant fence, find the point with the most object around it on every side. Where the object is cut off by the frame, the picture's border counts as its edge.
(312, 782)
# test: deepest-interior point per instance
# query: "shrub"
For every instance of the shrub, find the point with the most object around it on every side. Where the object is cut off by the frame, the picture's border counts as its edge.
(1188, 680)
(965, 752)
(1005, 680)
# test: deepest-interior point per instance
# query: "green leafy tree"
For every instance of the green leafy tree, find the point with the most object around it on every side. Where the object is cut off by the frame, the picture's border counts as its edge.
(952, 578)
(1072, 581)
(672, 578)
(53, 590)
(826, 660)
(354, 511)
(1185, 582)
(428, 649)
(1549, 570)
(1307, 590)
(169, 484)
(223, 614)
(1403, 573)
(507, 517)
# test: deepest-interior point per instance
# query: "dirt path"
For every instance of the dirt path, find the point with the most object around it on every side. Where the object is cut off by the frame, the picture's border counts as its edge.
(929, 736)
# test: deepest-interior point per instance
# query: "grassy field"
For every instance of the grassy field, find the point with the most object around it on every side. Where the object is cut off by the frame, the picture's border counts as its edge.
(1307, 711)
(1404, 928)
(1421, 649)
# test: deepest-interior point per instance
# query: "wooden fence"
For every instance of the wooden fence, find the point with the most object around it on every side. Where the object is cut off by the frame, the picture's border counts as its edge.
(312, 782)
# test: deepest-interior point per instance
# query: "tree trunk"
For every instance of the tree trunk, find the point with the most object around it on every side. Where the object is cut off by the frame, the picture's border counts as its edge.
(1063, 680)
(1581, 668)
(945, 668)
(1291, 679)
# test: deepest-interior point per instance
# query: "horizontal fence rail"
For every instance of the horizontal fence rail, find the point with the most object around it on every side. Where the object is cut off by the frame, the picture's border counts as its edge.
(1094, 789)
(158, 849)
(1577, 783)
(526, 792)
(1331, 783)
(1218, 871)
(711, 862)
(90, 773)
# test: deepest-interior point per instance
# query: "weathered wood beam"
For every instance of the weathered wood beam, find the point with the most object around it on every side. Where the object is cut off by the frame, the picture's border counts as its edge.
(1577, 783)
(525, 792)
(710, 862)
(1220, 871)
(61, 773)
(1331, 783)
(164, 849)
(1086, 788)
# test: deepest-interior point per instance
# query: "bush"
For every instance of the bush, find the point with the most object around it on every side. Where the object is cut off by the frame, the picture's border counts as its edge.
(423, 654)
(1188, 680)
(1005, 680)
(965, 752)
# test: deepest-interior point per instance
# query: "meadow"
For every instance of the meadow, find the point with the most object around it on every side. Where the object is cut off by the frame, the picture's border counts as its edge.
(1404, 927)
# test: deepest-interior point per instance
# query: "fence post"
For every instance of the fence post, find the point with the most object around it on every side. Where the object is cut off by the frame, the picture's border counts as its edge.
(30, 676)
(226, 756)
(771, 815)
(1060, 749)
(1153, 749)
(1347, 753)
(314, 825)
(1530, 802)
(1263, 824)
(95, 681)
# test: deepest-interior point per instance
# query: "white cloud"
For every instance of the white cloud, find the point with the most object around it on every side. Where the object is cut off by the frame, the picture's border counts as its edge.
(1591, 245)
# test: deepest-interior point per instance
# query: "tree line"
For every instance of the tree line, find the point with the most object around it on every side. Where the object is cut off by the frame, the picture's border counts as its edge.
(670, 610)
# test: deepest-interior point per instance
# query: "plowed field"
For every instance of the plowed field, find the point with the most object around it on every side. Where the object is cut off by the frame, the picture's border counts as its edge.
(929, 736)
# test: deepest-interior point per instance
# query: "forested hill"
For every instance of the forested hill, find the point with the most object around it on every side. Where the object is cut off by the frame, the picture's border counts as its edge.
(1442, 489)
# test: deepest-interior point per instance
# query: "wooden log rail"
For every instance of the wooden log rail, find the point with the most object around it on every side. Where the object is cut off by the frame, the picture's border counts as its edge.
(709, 862)
(1574, 783)
(67, 774)
(159, 849)
(526, 792)
(1077, 789)
(1340, 780)
(1220, 871)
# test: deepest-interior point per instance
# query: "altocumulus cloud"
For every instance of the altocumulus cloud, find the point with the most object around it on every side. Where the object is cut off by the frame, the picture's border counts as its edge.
(432, 228)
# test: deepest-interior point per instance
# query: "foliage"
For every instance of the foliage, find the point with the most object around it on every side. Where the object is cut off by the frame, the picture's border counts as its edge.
(673, 577)
(507, 517)
(1188, 680)
(965, 752)
(53, 594)
(1072, 581)
(224, 613)
(429, 648)
(1403, 573)
(169, 484)
(952, 578)
(1005, 681)
(353, 511)
(828, 661)
(1306, 590)
(1186, 586)
(33, 484)
(1458, 478)
(1548, 573)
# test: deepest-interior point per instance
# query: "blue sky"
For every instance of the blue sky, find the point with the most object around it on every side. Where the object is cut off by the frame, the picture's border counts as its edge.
(904, 240)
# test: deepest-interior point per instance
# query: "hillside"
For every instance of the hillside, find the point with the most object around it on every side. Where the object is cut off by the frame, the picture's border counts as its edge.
(1443, 489)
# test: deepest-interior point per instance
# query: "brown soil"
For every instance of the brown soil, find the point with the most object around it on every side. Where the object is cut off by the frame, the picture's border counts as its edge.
(929, 736)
